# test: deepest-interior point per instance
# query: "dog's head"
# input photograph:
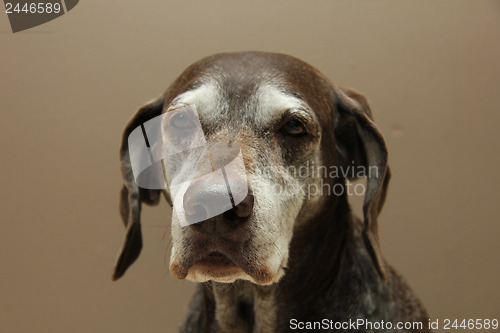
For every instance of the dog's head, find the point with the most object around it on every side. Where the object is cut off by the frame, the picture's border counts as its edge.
(278, 142)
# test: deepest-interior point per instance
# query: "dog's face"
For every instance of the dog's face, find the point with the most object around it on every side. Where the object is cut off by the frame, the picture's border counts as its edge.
(277, 132)
(281, 115)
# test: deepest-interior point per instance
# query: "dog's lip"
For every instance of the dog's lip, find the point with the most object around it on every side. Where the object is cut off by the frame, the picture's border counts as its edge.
(221, 263)
(216, 265)
(215, 259)
(207, 260)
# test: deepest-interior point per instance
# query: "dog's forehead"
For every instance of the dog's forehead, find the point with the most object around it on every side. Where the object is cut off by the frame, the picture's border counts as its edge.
(251, 89)
(262, 105)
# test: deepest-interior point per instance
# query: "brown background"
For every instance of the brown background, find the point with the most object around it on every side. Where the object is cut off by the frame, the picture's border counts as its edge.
(430, 69)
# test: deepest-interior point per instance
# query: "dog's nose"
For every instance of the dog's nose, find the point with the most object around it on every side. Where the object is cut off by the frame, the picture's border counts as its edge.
(204, 200)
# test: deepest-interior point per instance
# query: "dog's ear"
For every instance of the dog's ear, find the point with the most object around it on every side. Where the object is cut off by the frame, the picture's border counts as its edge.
(363, 148)
(131, 196)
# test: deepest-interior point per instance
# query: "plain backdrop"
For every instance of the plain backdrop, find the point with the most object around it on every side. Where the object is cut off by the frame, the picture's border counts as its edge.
(430, 69)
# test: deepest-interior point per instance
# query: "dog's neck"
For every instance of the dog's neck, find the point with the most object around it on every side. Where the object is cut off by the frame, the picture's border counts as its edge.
(246, 307)
(243, 307)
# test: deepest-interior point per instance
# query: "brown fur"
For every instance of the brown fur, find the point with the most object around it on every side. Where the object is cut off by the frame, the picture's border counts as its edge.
(335, 268)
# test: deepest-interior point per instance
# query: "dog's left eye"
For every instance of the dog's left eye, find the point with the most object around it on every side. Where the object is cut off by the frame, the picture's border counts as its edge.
(294, 128)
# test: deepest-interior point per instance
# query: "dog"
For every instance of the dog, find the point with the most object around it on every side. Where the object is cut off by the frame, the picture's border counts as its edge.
(274, 262)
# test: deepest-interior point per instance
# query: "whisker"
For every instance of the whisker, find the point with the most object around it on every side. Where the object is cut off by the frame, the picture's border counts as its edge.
(210, 290)
(279, 251)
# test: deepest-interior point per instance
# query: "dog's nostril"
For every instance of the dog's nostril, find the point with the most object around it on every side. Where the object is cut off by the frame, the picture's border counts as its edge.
(223, 224)
(242, 210)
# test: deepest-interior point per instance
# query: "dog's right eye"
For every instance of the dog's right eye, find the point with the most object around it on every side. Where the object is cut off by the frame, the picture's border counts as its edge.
(181, 121)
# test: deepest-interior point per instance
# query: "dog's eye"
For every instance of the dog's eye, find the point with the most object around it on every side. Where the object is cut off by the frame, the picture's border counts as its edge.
(293, 127)
(181, 121)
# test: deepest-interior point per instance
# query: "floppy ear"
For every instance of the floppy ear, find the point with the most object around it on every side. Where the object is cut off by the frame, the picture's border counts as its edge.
(362, 146)
(131, 196)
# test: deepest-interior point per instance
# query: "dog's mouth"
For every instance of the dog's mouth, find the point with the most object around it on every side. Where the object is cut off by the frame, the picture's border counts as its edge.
(215, 265)
(220, 266)
(216, 259)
